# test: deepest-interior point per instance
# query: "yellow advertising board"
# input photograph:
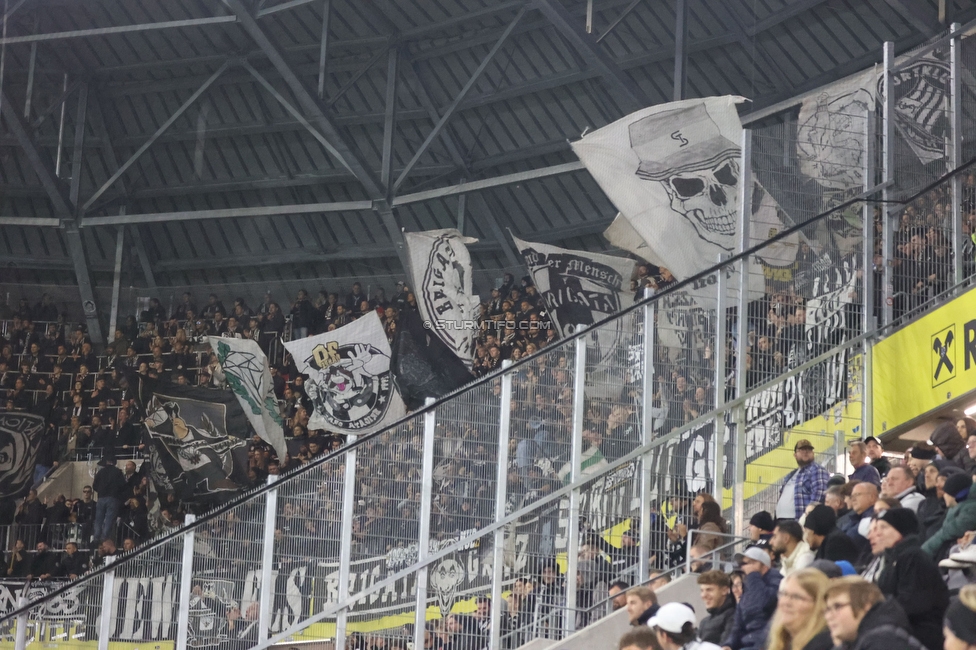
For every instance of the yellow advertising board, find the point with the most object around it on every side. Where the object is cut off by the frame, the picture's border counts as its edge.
(926, 364)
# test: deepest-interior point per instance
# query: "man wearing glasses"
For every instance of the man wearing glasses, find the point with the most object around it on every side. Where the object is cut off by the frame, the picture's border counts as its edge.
(804, 486)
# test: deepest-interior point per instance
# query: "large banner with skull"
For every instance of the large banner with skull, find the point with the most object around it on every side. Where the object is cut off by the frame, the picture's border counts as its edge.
(673, 171)
(20, 436)
(440, 268)
(349, 378)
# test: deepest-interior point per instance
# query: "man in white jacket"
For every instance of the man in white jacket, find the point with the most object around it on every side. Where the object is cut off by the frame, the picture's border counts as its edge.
(794, 553)
(900, 484)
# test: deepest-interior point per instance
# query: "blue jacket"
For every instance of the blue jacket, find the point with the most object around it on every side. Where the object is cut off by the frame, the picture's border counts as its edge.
(867, 473)
(752, 616)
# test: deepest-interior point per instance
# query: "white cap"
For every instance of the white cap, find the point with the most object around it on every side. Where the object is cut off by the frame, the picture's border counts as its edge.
(672, 617)
(754, 553)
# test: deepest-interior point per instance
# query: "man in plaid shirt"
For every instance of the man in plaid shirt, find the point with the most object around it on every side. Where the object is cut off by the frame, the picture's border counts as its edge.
(804, 485)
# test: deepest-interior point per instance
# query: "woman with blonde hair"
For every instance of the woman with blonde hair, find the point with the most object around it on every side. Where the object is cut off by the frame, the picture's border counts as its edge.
(798, 623)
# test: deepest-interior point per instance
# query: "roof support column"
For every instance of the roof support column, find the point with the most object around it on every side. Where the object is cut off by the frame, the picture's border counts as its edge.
(680, 50)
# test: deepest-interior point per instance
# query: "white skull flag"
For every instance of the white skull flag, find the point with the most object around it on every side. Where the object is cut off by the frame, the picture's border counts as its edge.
(440, 268)
(580, 289)
(673, 171)
(246, 368)
(349, 379)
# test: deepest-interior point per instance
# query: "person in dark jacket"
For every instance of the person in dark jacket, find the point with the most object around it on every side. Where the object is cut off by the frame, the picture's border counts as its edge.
(960, 499)
(44, 565)
(17, 562)
(760, 588)
(73, 563)
(859, 617)
(109, 485)
(716, 593)
(951, 445)
(641, 605)
(821, 533)
(876, 454)
(908, 575)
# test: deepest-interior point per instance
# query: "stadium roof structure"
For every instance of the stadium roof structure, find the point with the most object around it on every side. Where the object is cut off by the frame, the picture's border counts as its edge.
(246, 140)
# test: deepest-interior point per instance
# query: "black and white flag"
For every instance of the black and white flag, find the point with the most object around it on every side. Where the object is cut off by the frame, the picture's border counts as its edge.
(580, 289)
(922, 96)
(673, 171)
(197, 439)
(440, 267)
(349, 378)
(20, 436)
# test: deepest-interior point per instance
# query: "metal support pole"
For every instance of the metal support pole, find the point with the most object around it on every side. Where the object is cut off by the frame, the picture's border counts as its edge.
(742, 342)
(30, 81)
(461, 209)
(266, 595)
(20, 638)
(116, 279)
(680, 49)
(57, 159)
(868, 317)
(955, 83)
(575, 461)
(589, 16)
(78, 150)
(345, 541)
(887, 172)
(718, 355)
(186, 585)
(501, 497)
(423, 540)
(647, 434)
(324, 45)
(390, 116)
(107, 616)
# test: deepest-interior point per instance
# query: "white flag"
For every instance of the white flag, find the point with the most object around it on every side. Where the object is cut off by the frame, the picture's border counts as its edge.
(349, 379)
(440, 268)
(246, 368)
(831, 133)
(673, 171)
(580, 289)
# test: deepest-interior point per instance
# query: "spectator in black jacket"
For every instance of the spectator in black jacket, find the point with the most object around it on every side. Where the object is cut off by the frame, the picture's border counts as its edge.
(716, 593)
(47, 455)
(909, 575)
(17, 563)
(758, 603)
(859, 618)
(45, 563)
(109, 484)
(73, 563)
(821, 533)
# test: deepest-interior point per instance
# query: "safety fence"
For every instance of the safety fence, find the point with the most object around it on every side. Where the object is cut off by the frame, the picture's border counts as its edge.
(579, 464)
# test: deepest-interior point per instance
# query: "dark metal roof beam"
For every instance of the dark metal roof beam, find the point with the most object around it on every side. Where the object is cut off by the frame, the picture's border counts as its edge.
(44, 168)
(680, 50)
(389, 123)
(315, 112)
(162, 129)
(304, 256)
(918, 14)
(118, 29)
(291, 4)
(629, 93)
(297, 114)
(449, 113)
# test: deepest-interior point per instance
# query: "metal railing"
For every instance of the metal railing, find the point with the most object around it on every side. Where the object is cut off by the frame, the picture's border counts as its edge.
(705, 387)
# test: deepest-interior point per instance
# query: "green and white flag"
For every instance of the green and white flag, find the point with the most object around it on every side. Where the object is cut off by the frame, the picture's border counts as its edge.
(591, 462)
(246, 368)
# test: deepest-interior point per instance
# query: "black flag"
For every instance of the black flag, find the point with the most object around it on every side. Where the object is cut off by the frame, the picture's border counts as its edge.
(422, 365)
(197, 439)
(20, 436)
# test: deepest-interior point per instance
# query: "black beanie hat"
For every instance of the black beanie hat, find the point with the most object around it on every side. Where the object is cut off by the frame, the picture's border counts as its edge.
(901, 519)
(762, 520)
(923, 454)
(958, 486)
(821, 520)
